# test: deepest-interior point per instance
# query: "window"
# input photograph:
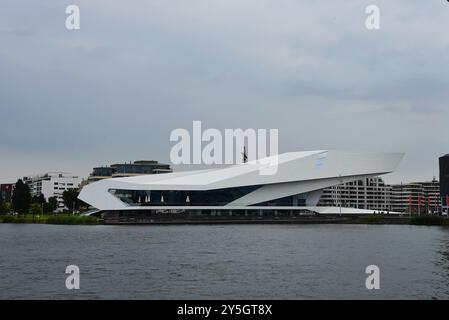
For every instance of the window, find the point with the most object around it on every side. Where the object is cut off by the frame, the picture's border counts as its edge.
(179, 197)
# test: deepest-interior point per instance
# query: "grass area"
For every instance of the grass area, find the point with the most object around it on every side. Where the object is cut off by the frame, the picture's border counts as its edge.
(50, 219)
(430, 220)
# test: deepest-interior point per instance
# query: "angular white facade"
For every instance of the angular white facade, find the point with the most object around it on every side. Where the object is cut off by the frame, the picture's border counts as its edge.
(297, 182)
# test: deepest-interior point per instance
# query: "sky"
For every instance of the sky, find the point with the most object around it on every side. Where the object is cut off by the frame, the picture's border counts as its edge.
(113, 91)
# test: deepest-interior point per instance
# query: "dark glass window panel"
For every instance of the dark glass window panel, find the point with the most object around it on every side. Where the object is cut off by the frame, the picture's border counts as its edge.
(444, 178)
(217, 197)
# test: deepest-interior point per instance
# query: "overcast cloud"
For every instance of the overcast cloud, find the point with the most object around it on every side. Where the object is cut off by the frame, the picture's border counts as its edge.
(114, 90)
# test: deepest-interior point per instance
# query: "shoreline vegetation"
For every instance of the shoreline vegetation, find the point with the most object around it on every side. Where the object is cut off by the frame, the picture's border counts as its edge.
(68, 219)
(375, 219)
(36, 209)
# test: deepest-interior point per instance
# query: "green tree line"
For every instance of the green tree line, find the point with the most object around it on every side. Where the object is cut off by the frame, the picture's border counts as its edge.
(23, 203)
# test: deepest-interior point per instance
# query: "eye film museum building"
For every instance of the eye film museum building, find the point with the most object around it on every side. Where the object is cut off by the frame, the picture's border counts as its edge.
(287, 183)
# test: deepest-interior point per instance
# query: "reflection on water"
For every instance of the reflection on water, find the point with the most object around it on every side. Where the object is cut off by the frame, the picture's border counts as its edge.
(442, 261)
(224, 262)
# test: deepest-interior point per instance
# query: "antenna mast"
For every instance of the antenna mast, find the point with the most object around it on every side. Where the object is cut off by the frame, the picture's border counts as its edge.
(245, 155)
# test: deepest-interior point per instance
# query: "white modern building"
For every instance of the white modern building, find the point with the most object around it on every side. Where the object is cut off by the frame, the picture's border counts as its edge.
(288, 182)
(52, 184)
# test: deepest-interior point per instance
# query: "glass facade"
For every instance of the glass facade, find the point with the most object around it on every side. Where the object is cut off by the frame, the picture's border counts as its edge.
(136, 168)
(217, 197)
(102, 172)
(290, 201)
(173, 215)
(139, 168)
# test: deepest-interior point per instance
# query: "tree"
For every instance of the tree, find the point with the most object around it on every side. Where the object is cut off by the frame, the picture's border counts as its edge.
(39, 199)
(6, 207)
(35, 209)
(21, 198)
(71, 200)
(51, 205)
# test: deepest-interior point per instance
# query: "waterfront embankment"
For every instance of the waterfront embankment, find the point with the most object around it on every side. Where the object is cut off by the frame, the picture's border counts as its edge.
(68, 219)
(308, 219)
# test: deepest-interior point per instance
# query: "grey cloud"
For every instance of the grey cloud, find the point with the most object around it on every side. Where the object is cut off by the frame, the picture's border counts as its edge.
(18, 31)
(116, 88)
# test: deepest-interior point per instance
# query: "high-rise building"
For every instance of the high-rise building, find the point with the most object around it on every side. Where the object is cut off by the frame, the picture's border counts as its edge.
(370, 193)
(432, 196)
(52, 184)
(444, 182)
(416, 197)
(374, 194)
(404, 197)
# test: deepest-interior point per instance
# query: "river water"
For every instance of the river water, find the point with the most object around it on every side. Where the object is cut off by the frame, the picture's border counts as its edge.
(224, 261)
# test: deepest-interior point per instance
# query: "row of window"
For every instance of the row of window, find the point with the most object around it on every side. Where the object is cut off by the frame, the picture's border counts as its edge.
(63, 188)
